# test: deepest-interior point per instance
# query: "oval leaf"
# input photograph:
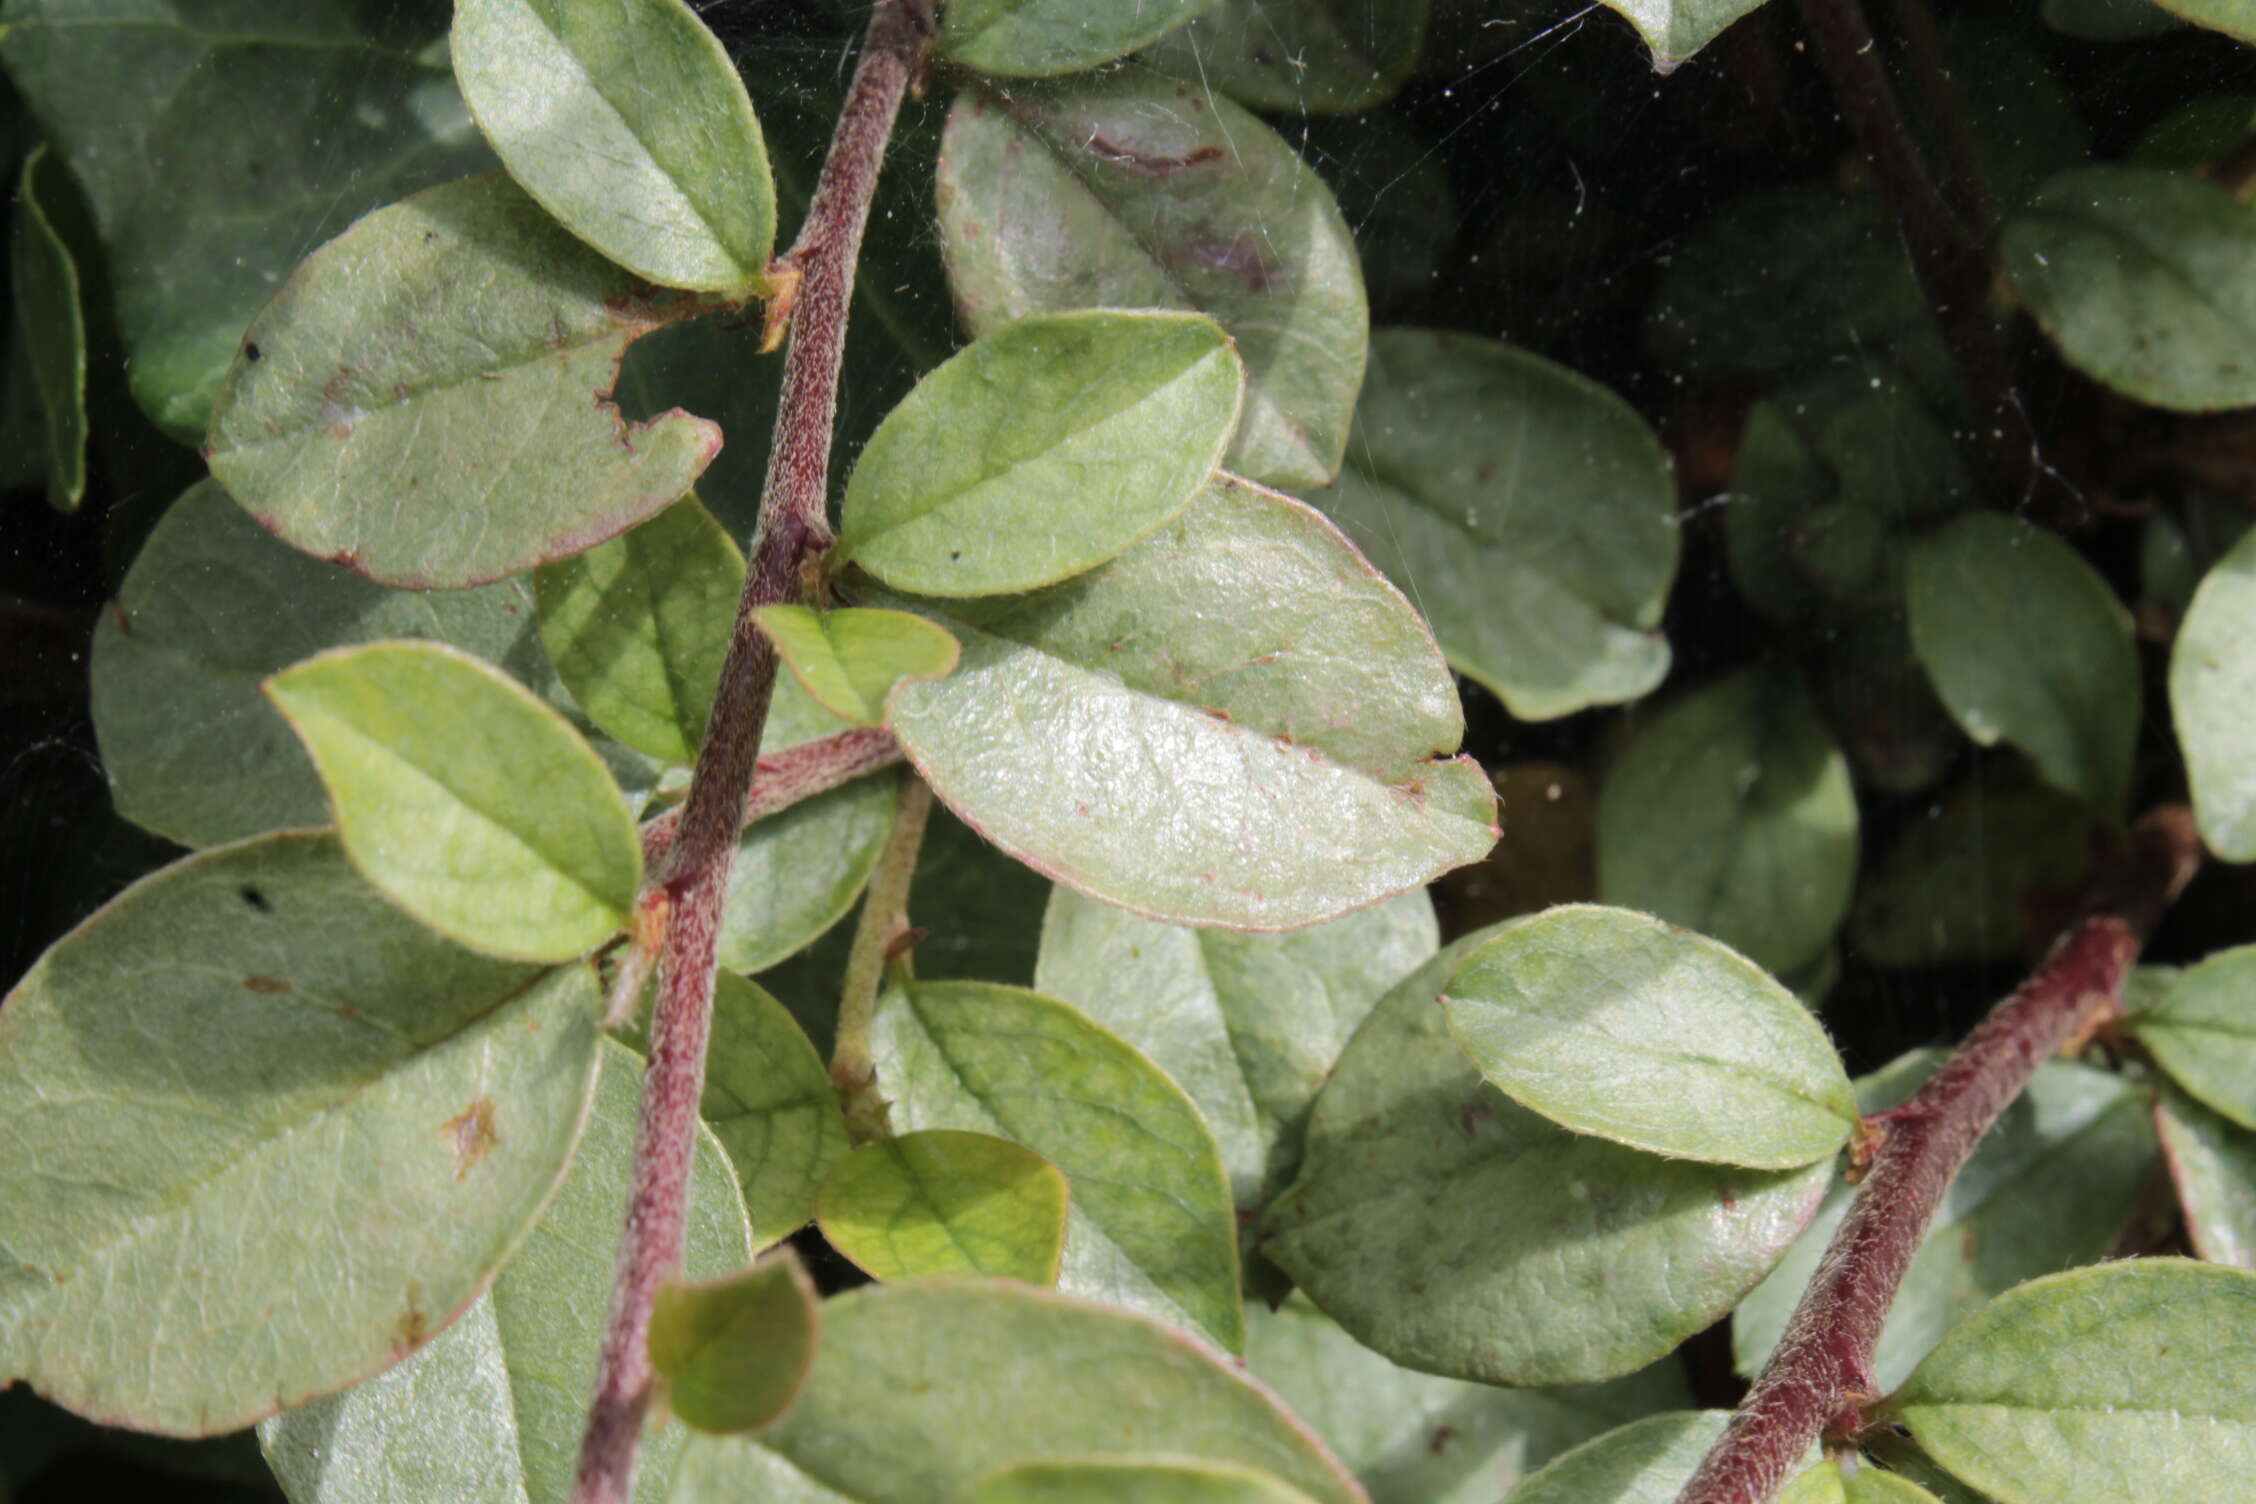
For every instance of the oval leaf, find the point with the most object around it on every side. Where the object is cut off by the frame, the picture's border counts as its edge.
(2227, 16)
(1646, 1462)
(491, 1411)
(1151, 1225)
(1675, 29)
(638, 627)
(1299, 56)
(628, 122)
(1438, 1221)
(769, 1101)
(1040, 451)
(1529, 512)
(1732, 814)
(251, 1048)
(2203, 1032)
(1038, 38)
(2142, 278)
(425, 398)
(946, 1202)
(2091, 1385)
(1139, 192)
(1265, 751)
(849, 660)
(2212, 684)
(734, 1352)
(2027, 644)
(464, 799)
(1127, 1482)
(2213, 1164)
(44, 281)
(1617, 1024)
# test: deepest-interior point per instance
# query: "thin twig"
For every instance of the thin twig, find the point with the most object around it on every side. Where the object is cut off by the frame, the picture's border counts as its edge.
(793, 529)
(782, 779)
(884, 920)
(1819, 1381)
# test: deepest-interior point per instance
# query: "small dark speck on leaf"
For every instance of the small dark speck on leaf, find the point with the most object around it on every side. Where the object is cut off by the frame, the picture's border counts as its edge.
(1730, 1201)
(472, 1134)
(272, 986)
(1474, 1114)
(250, 350)
(955, 553)
(1439, 1442)
(255, 899)
(414, 1327)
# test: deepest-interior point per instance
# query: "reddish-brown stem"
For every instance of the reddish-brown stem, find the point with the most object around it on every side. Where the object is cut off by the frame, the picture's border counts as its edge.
(1819, 1380)
(782, 779)
(1953, 128)
(792, 531)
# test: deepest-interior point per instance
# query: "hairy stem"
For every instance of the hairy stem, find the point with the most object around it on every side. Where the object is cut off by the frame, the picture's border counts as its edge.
(782, 779)
(884, 919)
(793, 530)
(1819, 1380)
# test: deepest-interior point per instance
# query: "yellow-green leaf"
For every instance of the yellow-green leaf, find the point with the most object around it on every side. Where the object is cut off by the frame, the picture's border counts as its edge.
(851, 659)
(735, 1351)
(945, 1201)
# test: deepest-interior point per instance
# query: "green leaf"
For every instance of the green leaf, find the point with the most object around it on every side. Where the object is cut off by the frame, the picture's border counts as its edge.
(850, 659)
(2212, 683)
(638, 627)
(1299, 57)
(2228, 16)
(2050, 1186)
(1236, 722)
(946, 1202)
(215, 144)
(2213, 1163)
(1732, 814)
(2108, 20)
(1039, 38)
(1458, 1233)
(920, 1389)
(2203, 1032)
(1675, 29)
(2027, 644)
(250, 1049)
(768, 1100)
(491, 1411)
(1041, 451)
(1120, 1481)
(464, 799)
(425, 398)
(734, 1352)
(628, 122)
(2142, 278)
(44, 283)
(1412, 1438)
(1139, 192)
(1151, 1224)
(2120, 1384)
(1616, 1024)
(1248, 1025)
(1644, 1462)
(1831, 1483)
(1528, 511)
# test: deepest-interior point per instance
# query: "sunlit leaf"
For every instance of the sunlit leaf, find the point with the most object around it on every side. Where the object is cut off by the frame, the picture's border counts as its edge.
(1831, 1482)
(2213, 1164)
(1299, 56)
(943, 1201)
(2203, 1032)
(44, 282)
(2212, 682)
(769, 1101)
(850, 659)
(733, 1352)
(1121, 1481)
(1037, 38)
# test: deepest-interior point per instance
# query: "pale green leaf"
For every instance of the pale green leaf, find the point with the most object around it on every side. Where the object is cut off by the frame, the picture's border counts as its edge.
(1150, 1223)
(424, 399)
(850, 659)
(1299, 57)
(1644, 1462)
(2203, 1032)
(1830, 1483)
(1528, 511)
(769, 1101)
(1732, 814)
(638, 627)
(1141, 192)
(467, 801)
(734, 1352)
(2027, 644)
(943, 1201)
(2142, 279)
(44, 282)
(2213, 1163)
(2120, 1384)
(627, 121)
(1124, 1481)
(252, 1049)
(920, 1389)
(1675, 29)
(2232, 17)
(1613, 1023)
(1458, 1233)
(1038, 38)
(491, 1411)
(1040, 451)
(2212, 684)
(1236, 722)
(1248, 1025)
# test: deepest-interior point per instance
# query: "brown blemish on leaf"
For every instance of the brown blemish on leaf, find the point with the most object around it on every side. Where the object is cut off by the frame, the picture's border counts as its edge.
(1438, 1443)
(413, 1328)
(472, 1134)
(1473, 1115)
(1151, 162)
(271, 986)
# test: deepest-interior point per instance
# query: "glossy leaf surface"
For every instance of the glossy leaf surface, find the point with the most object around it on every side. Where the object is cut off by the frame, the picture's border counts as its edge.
(44, 282)
(946, 1202)
(2212, 682)
(1458, 1233)
(769, 1102)
(850, 659)
(2203, 1032)
(628, 122)
(1613, 1023)
(638, 627)
(1299, 56)
(2213, 1165)
(491, 1411)
(1130, 1482)
(733, 1352)
(464, 799)
(1140, 192)
(2027, 644)
(424, 399)
(205, 1065)
(1151, 1224)
(1527, 510)
(1645, 1462)
(1038, 38)
(1732, 814)
(2087, 1386)
(1236, 722)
